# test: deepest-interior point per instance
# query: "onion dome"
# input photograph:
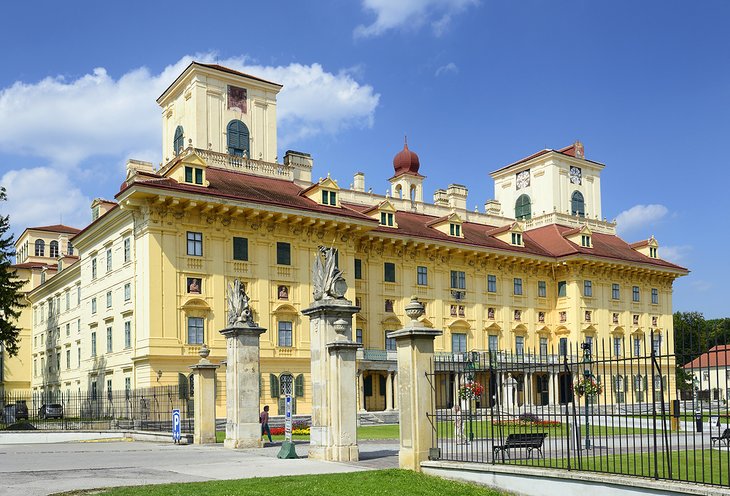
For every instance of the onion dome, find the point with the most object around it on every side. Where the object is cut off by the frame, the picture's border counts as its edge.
(406, 161)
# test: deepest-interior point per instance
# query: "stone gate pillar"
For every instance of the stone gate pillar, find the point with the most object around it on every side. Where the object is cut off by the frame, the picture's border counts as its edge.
(416, 397)
(204, 399)
(333, 435)
(242, 372)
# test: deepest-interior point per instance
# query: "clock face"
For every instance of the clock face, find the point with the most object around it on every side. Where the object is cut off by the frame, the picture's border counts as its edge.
(575, 175)
(523, 179)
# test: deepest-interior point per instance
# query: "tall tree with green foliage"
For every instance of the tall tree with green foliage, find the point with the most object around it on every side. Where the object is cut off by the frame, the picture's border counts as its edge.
(11, 299)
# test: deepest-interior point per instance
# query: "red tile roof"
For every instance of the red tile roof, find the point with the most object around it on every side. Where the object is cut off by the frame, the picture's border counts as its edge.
(32, 265)
(552, 238)
(547, 241)
(717, 356)
(257, 189)
(568, 151)
(59, 228)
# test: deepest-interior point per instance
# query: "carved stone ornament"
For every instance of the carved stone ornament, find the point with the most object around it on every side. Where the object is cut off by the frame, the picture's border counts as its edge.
(327, 279)
(239, 311)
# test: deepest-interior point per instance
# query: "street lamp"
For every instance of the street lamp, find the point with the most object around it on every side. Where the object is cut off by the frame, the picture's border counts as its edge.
(470, 359)
(586, 347)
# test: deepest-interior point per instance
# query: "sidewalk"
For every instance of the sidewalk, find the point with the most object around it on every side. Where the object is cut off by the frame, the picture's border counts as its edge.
(42, 469)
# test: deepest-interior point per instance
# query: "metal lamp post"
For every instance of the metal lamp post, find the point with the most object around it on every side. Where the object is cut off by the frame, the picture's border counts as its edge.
(586, 377)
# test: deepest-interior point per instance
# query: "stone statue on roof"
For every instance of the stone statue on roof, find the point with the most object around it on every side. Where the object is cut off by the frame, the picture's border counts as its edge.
(327, 279)
(239, 311)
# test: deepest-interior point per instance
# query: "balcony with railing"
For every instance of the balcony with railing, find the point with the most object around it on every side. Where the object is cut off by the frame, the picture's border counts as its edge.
(245, 164)
(374, 355)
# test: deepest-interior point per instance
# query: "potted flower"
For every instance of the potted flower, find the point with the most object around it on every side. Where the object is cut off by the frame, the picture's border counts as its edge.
(469, 392)
(587, 387)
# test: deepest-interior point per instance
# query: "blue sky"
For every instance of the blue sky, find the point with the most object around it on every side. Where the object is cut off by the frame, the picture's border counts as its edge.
(475, 84)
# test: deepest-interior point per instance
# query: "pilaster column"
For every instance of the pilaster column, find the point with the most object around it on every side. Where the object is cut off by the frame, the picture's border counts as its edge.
(395, 389)
(416, 397)
(552, 397)
(389, 391)
(361, 389)
(204, 399)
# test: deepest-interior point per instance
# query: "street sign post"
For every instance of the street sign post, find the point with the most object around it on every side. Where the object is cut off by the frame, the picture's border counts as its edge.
(287, 418)
(287, 447)
(176, 431)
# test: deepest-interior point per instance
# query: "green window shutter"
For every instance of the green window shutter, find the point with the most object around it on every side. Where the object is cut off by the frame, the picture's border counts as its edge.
(646, 383)
(274, 385)
(182, 386)
(368, 385)
(299, 385)
(614, 380)
(240, 249)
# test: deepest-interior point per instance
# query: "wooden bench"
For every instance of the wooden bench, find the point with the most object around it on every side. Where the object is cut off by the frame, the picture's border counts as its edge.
(719, 439)
(529, 442)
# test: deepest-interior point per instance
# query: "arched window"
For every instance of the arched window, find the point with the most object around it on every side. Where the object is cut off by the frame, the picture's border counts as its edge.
(53, 248)
(40, 248)
(238, 139)
(70, 249)
(178, 142)
(523, 208)
(577, 205)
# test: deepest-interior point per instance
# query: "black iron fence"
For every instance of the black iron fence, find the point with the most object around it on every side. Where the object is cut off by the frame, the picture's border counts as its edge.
(148, 409)
(624, 406)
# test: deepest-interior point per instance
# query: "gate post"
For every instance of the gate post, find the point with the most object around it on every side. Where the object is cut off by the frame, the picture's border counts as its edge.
(204, 399)
(416, 398)
(242, 372)
(333, 434)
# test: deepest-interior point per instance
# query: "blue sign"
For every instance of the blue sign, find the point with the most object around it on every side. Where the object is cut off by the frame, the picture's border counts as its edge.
(176, 434)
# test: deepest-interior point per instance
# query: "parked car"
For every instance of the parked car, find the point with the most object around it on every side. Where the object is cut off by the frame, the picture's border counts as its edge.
(51, 410)
(14, 412)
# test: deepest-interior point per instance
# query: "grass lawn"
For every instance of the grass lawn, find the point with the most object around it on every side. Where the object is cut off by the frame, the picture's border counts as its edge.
(484, 429)
(686, 465)
(386, 431)
(374, 483)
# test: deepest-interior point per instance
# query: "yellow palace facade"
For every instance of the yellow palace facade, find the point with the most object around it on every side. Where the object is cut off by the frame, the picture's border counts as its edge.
(536, 269)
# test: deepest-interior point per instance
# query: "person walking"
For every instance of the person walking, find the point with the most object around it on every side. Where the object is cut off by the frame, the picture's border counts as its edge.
(264, 420)
(459, 425)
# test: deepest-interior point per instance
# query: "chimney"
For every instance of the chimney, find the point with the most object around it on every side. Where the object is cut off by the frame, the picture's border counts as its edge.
(440, 198)
(456, 194)
(301, 164)
(492, 207)
(359, 182)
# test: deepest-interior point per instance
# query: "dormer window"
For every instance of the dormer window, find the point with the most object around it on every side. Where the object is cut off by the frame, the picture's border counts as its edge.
(652, 252)
(455, 230)
(585, 241)
(386, 219)
(517, 239)
(194, 175)
(329, 197)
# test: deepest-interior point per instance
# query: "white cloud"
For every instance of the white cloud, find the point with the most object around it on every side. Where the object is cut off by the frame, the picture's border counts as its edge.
(43, 196)
(413, 14)
(448, 68)
(68, 120)
(639, 216)
(675, 253)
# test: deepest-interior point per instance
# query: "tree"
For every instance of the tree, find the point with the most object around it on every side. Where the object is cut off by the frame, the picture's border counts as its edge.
(11, 299)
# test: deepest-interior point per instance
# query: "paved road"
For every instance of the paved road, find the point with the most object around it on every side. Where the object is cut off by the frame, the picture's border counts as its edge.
(41, 469)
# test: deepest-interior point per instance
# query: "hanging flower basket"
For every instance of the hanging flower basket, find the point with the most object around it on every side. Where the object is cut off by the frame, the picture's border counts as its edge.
(471, 390)
(587, 387)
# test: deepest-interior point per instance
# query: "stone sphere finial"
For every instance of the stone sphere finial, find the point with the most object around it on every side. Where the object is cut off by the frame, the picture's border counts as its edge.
(204, 351)
(414, 309)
